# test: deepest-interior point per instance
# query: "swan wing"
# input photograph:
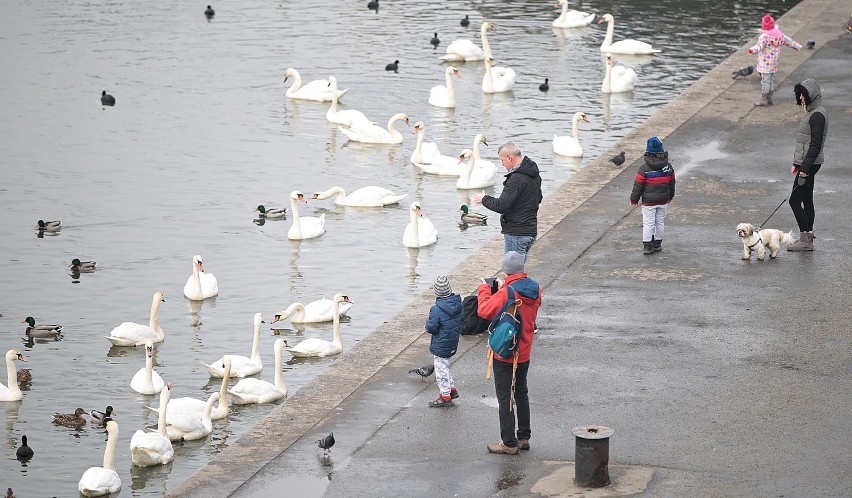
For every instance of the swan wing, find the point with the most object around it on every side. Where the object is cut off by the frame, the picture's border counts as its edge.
(249, 391)
(566, 146)
(623, 79)
(574, 19)
(131, 334)
(97, 481)
(209, 285)
(150, 448)
(439, 96)
(371, 196)
(346, 117)
(630, 47)
(365, 131)
(441, 165)
(317, 90)
(314, 347)
(428, 233)
(463, 50)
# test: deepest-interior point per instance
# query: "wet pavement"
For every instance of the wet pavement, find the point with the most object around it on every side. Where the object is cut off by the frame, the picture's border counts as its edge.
(720, 377)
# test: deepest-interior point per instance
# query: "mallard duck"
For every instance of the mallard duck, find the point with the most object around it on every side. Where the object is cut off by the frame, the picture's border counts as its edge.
(69, 419)
(468, 216)
(270, 212)
(101, 418)
(24, 375)
(82, 266)
(42, 331)
(48, 226)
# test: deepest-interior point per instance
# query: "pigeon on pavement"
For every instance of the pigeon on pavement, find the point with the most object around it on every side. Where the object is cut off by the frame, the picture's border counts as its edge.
(424, 371)
(743, 71)
(618, 160)
(326, 443)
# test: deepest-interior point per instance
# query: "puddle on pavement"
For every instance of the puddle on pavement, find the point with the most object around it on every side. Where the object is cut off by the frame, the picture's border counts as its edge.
(697, 156)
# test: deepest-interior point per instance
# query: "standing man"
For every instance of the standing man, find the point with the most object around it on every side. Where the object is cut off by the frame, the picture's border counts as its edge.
(807, 159)
(511, 374)
(518, 203)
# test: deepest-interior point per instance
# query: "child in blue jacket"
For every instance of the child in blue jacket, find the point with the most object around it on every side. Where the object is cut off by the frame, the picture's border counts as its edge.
(444, 323)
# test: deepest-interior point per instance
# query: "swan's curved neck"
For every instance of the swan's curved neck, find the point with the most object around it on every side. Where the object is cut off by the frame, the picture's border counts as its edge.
(486, 47)
(12, 378)
(297, 83)
(149, 372)
(392, 129)
(109, 454)
(606, 86)
(279, 375)
(294, 210)
(576, 130)
(610, 28)
(487, 77)
(415, 232)
(564, 10)
(337, 340)
(223, 391)
(448, 77)
(153, 319)
(255, 343)
(161, 421)
(208, 409)
(421, 133)
(468, 166)
(333, 108)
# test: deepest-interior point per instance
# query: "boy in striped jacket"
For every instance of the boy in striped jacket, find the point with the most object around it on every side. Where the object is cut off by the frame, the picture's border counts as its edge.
(655, 187)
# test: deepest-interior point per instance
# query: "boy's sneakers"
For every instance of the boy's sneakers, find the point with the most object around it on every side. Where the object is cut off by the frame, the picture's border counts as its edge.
(502, 449)
(441, 401)
(454, 393)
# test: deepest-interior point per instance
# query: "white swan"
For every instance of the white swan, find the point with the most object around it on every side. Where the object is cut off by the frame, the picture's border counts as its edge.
(443, 96)
(423, 151)
(346, 117)
(135, 334)
(570, 146)
(626, 47)
(371, 196)
(146, 380)
(367, 132)
(99, 481)
(496, 82)
(428, 158)
(248, 391)
(321, 310)
(317, 348)
(12, 392)
(618, 79)
(306, 227)
(572, 18)
(317, 90)
(241, 366)
(189, 426)
(200, 285)
(465, 50)
(194, 406)
(153, 448)
(420, 231)
(476, 172)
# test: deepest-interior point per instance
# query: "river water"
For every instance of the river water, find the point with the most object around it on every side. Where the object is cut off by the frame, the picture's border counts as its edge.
(202, 133)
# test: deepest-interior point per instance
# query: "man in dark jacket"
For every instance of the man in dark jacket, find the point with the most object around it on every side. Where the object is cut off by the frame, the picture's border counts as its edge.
(807, 159)
(518, 203)
(444, 323)
(654, 185)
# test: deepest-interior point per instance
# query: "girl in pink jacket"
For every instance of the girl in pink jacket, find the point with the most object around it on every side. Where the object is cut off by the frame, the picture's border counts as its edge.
(768, 49)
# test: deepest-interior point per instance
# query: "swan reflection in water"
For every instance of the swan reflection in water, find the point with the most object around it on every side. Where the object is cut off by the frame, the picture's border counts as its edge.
(413, 253)
(624, 99)
(139, 477)
(195, 308)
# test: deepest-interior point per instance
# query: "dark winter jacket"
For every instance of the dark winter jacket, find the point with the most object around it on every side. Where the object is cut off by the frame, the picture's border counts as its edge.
(518, 203)
(444, 323)
(813, 128)
(655, 181)
(530, 293)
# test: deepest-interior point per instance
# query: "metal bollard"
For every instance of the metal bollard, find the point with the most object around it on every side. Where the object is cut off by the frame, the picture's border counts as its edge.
(591, 455)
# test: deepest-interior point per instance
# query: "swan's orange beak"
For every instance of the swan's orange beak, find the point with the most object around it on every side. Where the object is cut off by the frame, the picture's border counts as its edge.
(457, 73)
(585, 119)
(557, 5)
(21, 357)
(200, 266)
(602, 20)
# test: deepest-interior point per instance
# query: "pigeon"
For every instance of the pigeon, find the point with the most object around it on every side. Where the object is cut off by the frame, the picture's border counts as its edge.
(435, 41)
(466, 21)
(393, 67)
(618, 160)
(326, 443)
(107, 99)
(810, 44)
(743, 71)
(544, 86)
(209, 12)
(373, 5)
(423, 372)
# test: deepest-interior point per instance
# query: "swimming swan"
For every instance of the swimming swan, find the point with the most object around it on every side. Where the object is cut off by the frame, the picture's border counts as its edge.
(443, 96)
(241, 366)
(321, 310)
(367, 132)
(570, 146)
(196, 406)
(318, 348)
(200, 285)
(135, 334)
(154, 448)
(317, 90)
(618, 79)
(371, 196)
(98, 481)
(476, 172)
(420, 231)
(189, 426)
(12, 392)
(626, 47)
(251, 390)
(306, 227)
(572, 18)
(346, 117)
(465, 50)
(429, 159)
(146, 380)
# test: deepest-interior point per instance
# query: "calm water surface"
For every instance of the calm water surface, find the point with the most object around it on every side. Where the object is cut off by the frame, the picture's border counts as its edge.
(202, 133)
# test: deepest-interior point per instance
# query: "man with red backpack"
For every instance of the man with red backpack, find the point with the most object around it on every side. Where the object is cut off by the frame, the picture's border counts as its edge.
(513, 371)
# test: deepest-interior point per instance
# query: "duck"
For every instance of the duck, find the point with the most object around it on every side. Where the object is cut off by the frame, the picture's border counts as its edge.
(444, 96)
(41, 331)
(154, 448)
(316, 90)
(477, 172)
(466, 21)
(420, 232)
(544, 86)
(627, 46)
(464, 50)
(496, 82)
(70, 419)
(570, 146)
(24, 452)
(135, 334)
(189, 426)
(49, 226)
(98, 481)
(318, 348)
(367, 132)
(200, 285)
(345, 117)
(435, 41)
(321, 310)
(618, 79)
(107, 99)
(572, 18)
(241, 366)
(270, 213)
(146, 380)
(12, 392)
(209, 12)
(24, 375)
(371, 196)
(249, 391)
(100, 418)
(394, 66)
(307, 227)
(468, 216)
(82, 266)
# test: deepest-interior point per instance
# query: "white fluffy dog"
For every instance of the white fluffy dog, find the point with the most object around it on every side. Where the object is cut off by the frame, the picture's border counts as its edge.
(760, 240)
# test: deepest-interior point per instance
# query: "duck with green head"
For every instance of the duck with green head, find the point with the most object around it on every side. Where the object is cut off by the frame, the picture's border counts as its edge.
(102, 417)
(82, 266)
(41, 331)
(265, 212)
(48, 226)
(468, 216)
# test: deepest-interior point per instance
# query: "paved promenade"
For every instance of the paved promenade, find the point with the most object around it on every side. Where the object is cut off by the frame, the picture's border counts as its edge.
(720, 377)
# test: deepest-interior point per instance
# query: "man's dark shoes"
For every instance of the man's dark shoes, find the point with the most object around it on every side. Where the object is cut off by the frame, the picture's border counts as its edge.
(441, 401)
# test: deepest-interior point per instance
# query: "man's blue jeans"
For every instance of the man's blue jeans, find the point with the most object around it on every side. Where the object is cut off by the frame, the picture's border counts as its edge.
(518, 243)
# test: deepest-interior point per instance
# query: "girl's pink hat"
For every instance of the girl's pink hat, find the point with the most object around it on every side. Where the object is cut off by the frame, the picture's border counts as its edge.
(768, 22)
